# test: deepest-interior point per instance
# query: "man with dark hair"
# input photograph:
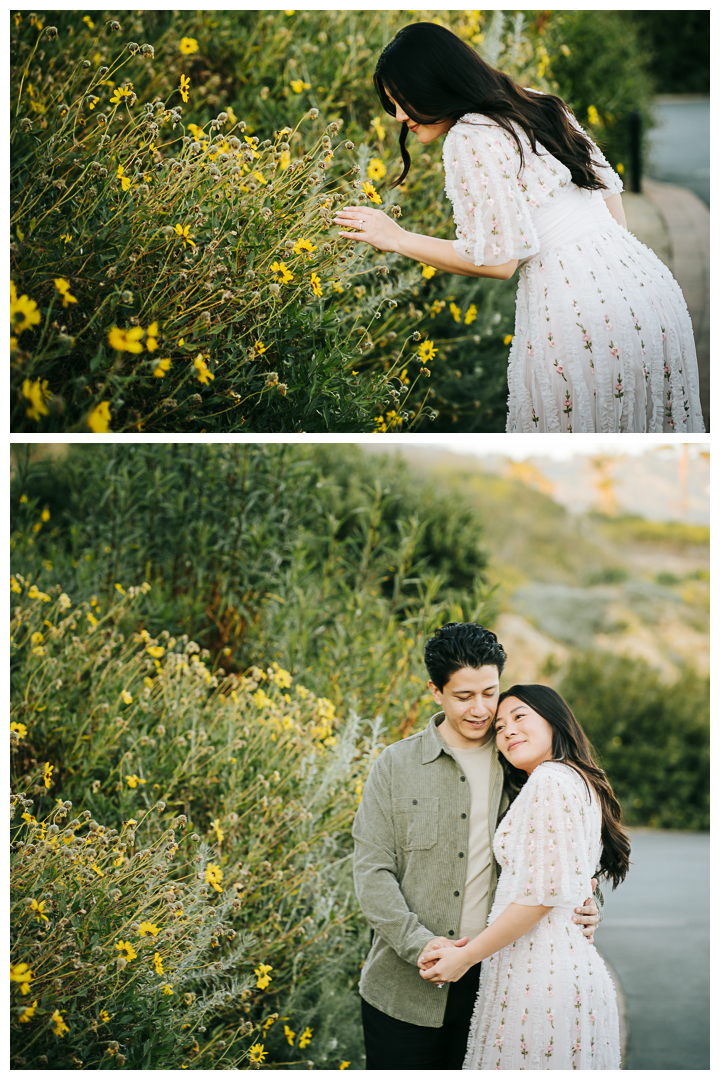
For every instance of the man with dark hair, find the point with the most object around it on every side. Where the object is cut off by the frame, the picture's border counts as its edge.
(425, 874)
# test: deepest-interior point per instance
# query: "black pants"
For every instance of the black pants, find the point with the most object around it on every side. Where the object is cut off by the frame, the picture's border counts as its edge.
(395, 1044)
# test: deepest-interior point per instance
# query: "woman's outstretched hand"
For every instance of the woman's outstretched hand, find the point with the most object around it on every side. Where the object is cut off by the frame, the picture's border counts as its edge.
(449, 964)
(372, 226)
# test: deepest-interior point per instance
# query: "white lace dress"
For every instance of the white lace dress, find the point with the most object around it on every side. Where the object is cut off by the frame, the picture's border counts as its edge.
(603, 339)
(546, 1001)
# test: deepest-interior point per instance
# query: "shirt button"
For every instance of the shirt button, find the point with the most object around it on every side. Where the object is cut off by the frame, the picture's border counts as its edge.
(461, 855)
(463, 815)
(456, 893)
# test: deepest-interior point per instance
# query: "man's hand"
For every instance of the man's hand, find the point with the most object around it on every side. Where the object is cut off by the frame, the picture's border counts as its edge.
(587, 915)
(438, 943)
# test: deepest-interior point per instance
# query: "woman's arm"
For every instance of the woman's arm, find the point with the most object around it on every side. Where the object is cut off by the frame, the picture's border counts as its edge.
(515, 920)
(376, 228)
(615, 206)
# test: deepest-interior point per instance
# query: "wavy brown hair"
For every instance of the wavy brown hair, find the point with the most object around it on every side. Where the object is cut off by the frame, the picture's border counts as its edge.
(570, 746)
(436, 76)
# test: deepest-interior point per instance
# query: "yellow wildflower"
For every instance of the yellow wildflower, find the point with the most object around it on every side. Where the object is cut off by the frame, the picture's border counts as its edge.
(315, 283)
(27, 1014)
(378, 128)
(263, 976)
(371, 192)
(188, 46)
(298, 85)
(162, 368)
(126, 947)
(20, 728)
(213, 876)
(281, 269)
(289, 1035)
(470, 314)
(148, 928)
(428, 271)
(24, 307)
(593, 116)
(22, 974)
(152, 333)
(184, 232)
(99, 418)
(63, 287)
(48, 774)
(60, 1025)
(184, 88)
(124, 180)
(127, 697)
(40, 909)
(305, 1038)
(126, 340)
(37, 393)
(455, 312)
(426, 351)
(376, 169)
(157, 961)
(257, 1053)
(203, 371)
(303, 245)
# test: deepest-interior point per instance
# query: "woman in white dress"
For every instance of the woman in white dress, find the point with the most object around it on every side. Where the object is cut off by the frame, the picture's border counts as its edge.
(546, 1000)
(603, 339)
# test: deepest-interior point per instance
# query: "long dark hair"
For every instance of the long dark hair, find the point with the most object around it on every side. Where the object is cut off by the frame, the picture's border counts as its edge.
(435, 76)
(570, 746)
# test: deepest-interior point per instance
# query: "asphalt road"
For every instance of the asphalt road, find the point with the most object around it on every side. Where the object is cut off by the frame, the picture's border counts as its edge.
(655, 935)
(680, 144)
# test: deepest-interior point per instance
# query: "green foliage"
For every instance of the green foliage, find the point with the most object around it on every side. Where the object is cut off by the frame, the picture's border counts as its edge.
(162, 219)
(677, 44)
(652, 739)
(215, 827)
(603, 76)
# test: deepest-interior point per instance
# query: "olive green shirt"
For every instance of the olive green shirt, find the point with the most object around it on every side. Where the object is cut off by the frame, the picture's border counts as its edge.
(411, 836)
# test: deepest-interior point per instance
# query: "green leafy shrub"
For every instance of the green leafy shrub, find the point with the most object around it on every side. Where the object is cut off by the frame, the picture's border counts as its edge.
(209, 853)
(652, 739)
(145, 228)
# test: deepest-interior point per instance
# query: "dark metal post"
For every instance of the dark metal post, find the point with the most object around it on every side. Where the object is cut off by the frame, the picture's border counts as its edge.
(635, 154)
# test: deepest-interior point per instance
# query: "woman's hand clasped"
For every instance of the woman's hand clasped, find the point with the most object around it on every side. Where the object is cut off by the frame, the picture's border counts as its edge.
(373, 227)
(448, 965)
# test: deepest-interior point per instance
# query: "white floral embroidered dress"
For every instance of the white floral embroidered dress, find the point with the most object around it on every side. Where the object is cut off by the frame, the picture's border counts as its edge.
(603, 339)
(546, 1001)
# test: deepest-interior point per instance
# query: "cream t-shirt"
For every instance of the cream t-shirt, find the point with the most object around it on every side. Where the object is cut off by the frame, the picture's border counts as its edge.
(476, 765)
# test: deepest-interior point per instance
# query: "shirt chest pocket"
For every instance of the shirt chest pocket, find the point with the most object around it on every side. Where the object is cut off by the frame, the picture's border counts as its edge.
(416, 821)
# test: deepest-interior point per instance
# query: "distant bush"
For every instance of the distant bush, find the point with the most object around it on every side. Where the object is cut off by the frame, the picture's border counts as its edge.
(652, 739)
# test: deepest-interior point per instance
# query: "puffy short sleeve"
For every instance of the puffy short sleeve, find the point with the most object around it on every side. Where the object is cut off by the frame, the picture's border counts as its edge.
(548, 840)
(604, 169)
(493, 223)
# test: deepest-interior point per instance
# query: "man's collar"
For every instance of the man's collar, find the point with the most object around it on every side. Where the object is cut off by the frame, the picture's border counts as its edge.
(432, 741)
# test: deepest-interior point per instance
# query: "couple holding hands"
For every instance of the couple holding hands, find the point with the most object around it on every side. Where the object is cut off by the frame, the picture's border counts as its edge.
(478, 843)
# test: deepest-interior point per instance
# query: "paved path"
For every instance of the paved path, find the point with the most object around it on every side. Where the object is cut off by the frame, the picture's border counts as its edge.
(675, 223)
(679, 149)
(655, 935)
